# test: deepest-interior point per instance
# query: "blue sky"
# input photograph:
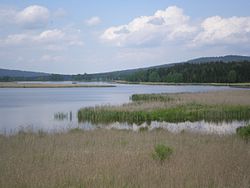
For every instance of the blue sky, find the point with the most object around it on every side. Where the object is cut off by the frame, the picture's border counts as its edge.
(99, 36)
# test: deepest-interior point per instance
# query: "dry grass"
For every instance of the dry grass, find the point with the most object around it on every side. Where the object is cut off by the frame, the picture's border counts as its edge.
(112, 158)
(233, 97)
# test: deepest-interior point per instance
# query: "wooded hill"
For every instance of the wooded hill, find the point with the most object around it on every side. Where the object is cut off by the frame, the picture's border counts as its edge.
(226, 69)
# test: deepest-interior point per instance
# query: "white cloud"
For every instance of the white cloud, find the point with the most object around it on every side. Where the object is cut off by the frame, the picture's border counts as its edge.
(54, 39)
(171, 27)
(33, 17)
(216, 30)
(50, 36)
(165, 25)
(93, 21)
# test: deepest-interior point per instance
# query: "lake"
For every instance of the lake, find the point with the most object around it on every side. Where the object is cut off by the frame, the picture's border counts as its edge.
(35, 108)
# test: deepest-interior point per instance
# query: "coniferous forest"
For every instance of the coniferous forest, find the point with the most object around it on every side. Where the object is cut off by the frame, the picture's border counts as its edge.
(213, 72)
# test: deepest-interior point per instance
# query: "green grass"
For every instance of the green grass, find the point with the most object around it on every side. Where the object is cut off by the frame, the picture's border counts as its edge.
(186, 112)
(181, 107)
(151, 97)
(244, 132)
(162, 152)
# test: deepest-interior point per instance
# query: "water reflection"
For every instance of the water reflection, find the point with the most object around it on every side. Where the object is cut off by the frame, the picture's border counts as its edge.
(203, 127)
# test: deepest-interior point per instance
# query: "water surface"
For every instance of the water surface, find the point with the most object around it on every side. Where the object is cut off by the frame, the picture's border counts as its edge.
(36, 107)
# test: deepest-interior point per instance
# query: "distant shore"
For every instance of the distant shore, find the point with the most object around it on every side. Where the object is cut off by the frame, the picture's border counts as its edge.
(239, 85)
(47, 85)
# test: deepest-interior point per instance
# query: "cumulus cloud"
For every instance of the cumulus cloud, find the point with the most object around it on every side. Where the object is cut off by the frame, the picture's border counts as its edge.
(49, 39)
(164, 25)
(216, 30)
(93, 21)
(33, 17)
(172, 27)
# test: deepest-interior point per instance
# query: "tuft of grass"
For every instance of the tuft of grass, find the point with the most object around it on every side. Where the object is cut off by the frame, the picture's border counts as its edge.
(162, 152)
(151, 97)
(244, 132)
(76, 130)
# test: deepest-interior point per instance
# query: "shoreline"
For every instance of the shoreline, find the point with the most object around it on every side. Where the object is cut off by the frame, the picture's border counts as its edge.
(40, 85)
(237, 85)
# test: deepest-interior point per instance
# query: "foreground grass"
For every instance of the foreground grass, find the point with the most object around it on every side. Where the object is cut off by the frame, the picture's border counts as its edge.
(213, 106)
(112, 158)
(38, 85)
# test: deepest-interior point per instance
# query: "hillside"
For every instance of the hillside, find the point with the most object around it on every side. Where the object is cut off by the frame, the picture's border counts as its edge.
(205, 69)
(131, 74)
(18, 73)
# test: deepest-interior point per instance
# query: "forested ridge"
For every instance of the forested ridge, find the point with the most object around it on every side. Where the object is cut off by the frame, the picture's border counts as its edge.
(202, 70)
(218, 72)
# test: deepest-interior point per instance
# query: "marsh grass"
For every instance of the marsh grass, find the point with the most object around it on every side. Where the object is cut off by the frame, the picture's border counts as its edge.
(152, 97)
(60, 116)
(211, 107)
(112, 158)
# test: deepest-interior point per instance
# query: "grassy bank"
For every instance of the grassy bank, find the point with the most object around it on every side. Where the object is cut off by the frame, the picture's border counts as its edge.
(240, 85)
(213, 106)
(38, 85)
(112, 158)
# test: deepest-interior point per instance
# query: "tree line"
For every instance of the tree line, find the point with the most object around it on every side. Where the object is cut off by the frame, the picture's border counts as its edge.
(217, 72)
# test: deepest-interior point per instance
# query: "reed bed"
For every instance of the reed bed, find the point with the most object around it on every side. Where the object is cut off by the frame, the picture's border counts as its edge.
(112, 158)
(211, 106)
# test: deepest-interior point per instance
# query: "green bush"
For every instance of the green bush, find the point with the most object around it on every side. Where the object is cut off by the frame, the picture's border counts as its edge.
(162, 152)
(244, 132)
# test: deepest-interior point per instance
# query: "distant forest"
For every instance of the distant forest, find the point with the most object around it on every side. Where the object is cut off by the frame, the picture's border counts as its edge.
(195, 72)
(218, 72)
(212, 72)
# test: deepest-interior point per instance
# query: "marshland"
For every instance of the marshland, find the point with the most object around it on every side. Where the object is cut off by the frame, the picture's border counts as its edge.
(213, 106)
(66, 153)
(113, 158)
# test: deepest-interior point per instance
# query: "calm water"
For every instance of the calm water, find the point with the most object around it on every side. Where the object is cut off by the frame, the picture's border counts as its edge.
(35, 107)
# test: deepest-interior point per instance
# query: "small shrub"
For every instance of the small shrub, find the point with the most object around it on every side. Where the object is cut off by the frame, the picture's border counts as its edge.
(162, 152)
(143, 129)
(244, 132)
